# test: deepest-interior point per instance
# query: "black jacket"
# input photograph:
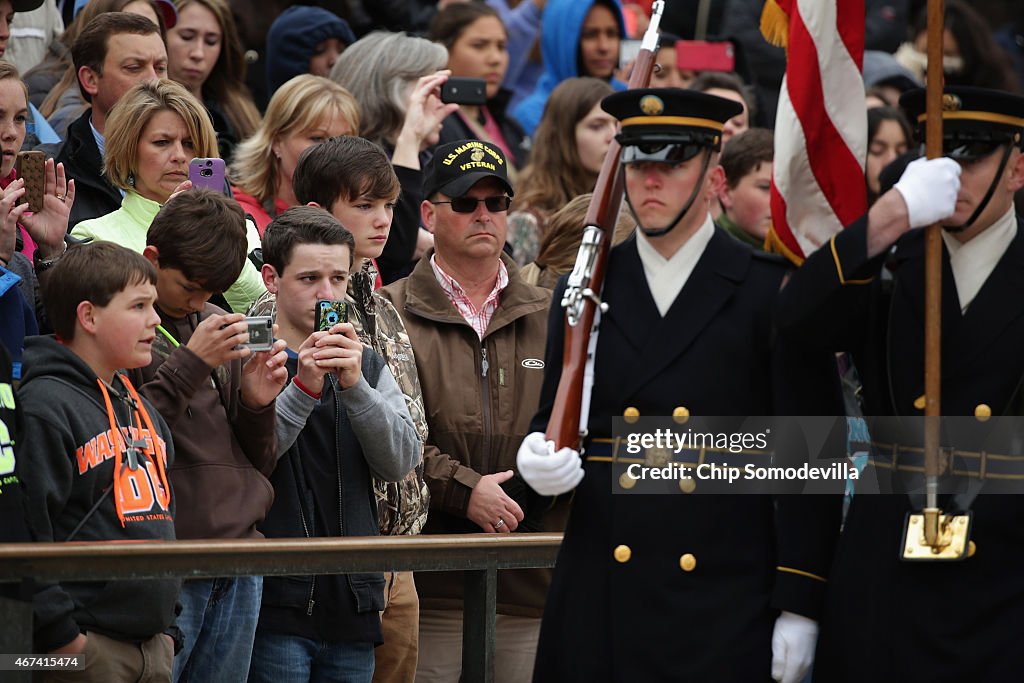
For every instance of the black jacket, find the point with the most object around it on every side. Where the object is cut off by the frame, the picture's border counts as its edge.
(94, 195)
(886, 619)
(654, 617)
(69, 442)
(323, 487)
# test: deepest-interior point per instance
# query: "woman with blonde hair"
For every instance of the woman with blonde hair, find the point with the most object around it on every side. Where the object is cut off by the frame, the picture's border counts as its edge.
(396, 78)
(153, 132)
(304, 111)
(205, 55)
(561, 166)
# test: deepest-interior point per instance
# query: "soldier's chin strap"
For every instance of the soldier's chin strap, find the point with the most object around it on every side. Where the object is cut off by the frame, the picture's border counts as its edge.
(988, 195)
(658, 232)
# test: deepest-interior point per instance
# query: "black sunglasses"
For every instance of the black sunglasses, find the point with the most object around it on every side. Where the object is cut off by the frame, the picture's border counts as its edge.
(469, 204)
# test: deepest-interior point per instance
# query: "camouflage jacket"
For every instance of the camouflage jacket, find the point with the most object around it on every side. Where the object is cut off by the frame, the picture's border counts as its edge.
(401, 506)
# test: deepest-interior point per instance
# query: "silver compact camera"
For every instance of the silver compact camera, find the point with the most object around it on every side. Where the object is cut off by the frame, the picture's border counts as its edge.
(261, 333)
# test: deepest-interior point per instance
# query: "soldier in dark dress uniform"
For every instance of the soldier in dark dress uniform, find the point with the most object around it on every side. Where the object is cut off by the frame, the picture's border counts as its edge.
(683, 586)
(887, 619)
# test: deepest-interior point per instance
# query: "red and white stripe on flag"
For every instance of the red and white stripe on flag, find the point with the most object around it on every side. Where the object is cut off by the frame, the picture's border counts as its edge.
(821, 126)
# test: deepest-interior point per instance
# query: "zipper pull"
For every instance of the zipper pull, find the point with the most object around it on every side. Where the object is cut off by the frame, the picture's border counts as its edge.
(309, 610)
(483, 361)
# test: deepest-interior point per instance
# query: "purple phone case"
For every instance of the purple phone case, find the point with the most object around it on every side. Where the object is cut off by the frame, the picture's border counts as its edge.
(207, 173)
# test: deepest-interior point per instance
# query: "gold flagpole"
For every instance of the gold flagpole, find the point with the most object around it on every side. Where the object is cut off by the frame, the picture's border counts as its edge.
(933, 283)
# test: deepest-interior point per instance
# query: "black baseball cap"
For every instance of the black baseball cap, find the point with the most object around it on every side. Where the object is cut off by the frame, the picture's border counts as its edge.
(975, 121)
(458, 166)
(652, 120)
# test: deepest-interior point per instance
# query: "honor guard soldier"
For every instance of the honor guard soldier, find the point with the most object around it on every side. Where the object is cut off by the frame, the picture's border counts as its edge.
(680, 586)
(887, 616)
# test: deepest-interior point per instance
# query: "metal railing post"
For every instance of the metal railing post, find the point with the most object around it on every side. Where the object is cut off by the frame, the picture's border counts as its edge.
(16, 635)
(478, 625)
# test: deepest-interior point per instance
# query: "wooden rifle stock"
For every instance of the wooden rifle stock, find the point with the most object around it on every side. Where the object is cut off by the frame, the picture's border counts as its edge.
(587, 278)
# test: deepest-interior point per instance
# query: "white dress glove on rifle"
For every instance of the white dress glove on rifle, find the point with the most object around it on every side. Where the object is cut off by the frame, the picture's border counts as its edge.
(793, 644)
(930, 187)
(548, 472)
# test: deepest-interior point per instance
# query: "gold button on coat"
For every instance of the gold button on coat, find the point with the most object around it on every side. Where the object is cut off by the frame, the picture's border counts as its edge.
(626, 481)
(920, 402)
(631, 414)
(681, 414)
(688, 562)
(622, 553)
(982, 411)
(687, 485)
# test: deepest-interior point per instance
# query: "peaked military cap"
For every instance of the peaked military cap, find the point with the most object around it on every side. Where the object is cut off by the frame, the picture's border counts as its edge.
(974, 120)
(458, 166)
(670, 115)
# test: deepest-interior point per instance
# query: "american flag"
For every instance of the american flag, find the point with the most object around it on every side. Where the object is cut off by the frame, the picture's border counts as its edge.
(818, 182)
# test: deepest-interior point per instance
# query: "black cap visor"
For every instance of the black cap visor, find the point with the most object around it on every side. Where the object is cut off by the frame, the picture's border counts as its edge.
(659, 152)
(464, 183)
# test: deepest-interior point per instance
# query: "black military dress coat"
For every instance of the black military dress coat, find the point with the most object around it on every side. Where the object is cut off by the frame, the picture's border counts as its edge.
(684, 587)
(886, 619)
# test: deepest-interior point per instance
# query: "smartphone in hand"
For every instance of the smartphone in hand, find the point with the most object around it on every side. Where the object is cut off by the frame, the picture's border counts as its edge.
(464, 91)
(329, 313)
(31, 168)
(208, 173)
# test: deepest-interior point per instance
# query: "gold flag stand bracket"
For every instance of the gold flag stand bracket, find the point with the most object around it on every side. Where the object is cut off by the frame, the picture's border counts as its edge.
(951, 542)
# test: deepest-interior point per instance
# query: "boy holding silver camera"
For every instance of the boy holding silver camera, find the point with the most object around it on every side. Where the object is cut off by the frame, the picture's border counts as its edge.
(218, 397)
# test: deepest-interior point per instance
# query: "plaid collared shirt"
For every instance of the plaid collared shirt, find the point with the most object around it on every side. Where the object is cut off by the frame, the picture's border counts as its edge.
(477, 319)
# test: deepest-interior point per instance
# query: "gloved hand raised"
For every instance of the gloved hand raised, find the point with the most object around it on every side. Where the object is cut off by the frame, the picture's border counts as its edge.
(549, 473)
(929, 188)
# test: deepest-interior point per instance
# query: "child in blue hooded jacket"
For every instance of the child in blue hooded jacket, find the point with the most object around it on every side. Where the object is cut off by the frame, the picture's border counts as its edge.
(578, 38)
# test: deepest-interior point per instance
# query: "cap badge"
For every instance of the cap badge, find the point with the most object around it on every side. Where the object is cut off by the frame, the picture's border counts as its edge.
(477, 155)
(651, 105)
(951, 102)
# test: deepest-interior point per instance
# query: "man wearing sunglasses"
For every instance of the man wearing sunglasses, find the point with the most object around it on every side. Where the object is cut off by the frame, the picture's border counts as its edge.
(886, 618)
(680, 585)
(478, 331)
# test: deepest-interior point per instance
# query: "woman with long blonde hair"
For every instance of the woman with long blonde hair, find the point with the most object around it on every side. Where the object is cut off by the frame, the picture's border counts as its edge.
(304, 111)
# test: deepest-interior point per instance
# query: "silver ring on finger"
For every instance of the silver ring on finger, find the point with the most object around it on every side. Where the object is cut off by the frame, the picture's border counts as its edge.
(60, 197)
(500, 523)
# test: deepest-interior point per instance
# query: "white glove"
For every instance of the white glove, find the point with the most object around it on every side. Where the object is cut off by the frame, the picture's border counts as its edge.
(793, 642)
(930, 187)
(547, 472)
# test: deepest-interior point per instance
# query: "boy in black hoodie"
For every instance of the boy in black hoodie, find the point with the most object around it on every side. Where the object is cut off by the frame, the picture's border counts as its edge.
(96, 458)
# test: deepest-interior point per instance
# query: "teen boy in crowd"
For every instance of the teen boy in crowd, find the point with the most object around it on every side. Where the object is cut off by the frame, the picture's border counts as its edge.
(221, 413)
(344, 422)
(99, 455)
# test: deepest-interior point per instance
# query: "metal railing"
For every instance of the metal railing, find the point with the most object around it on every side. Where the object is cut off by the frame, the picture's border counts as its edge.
(480, 556)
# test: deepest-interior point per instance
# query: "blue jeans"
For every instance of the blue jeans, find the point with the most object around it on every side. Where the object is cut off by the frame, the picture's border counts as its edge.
(218, 619)
(281, 658)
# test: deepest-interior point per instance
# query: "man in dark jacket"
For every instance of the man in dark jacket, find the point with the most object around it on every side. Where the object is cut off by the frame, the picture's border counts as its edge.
(886, 618)
(680, 586)
(113, 53)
